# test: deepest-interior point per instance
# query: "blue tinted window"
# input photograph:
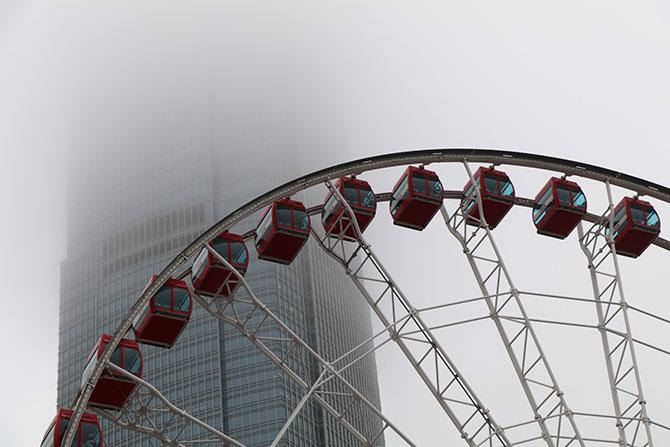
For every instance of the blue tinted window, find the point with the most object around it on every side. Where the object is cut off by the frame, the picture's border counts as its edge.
(469, 200)
(398, 197)
(239, 255)
(435, 187)
(652, 219)
(116, 357)
(419, 183)
(199, 264)
(638, 215)
(579, 200)
(367, 198)
(131, 360)
(264, 228)
(284, 216)
(491, 184)
(542, 205)
(506, 188)
(564, 195)
(301, 219)
(162, 298)
(90, 435)
(619, 222)
(546, 198)
(220, 245)
(351, 195)
(329, 208)
(182, 300)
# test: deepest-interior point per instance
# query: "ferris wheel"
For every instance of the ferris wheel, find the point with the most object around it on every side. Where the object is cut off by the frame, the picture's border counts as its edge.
(210, 272)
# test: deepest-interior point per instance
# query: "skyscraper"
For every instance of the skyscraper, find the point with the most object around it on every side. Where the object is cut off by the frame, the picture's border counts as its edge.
(132, 209)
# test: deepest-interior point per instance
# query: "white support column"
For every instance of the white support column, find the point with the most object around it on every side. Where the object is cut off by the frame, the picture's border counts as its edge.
(287, 343)
(315, 387)
(506, 309)
(623, 374)
(429, 359)
(155, 406)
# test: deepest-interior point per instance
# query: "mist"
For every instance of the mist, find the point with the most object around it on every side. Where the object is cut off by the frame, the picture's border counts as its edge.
(84, 85)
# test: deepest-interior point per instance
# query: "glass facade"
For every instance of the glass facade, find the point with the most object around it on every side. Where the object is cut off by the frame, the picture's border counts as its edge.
(126, 222)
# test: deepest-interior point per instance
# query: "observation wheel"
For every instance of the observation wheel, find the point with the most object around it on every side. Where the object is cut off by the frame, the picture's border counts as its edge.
(468, 195)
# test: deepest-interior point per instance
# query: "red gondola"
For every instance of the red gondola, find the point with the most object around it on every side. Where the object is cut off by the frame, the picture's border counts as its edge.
(282, 231)
(113, 390)
(635, 226)
(166, 315)
(416, 197)
(212, 278)
(362, 201)
(497, 194)
(89, 433)
(559, 207)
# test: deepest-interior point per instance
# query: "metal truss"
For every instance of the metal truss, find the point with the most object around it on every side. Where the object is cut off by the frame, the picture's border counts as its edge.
(633, 419)
(396, 324)
(630, 406)
(507, 311)
(280, 344)
(152, 413)
(407, 329)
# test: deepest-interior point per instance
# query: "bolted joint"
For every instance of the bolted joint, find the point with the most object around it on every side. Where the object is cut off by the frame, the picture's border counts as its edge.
(395, 336)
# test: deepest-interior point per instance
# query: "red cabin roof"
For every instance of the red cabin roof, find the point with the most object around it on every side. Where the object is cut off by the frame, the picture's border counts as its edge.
(104, 339)
(362, 201)
(559, 207)
(497, 193)
(211, 277)
(166, 315)
(282, 231)
(113, 390)
(416, 198)
(635, 226)
(89, 433)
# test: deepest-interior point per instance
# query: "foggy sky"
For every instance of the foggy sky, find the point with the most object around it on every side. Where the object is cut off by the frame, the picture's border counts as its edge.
(581, 80)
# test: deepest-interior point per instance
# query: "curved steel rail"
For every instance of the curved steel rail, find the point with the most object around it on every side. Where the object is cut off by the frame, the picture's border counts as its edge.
(427, 156)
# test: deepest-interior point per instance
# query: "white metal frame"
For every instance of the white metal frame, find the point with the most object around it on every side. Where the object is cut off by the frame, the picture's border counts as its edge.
(516, 331)
(396, 313)
(398, 325)
(278, 349)
(150, 406)
(623, 372)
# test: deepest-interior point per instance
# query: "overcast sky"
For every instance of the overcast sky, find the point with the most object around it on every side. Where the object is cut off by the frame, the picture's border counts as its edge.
(575, 79)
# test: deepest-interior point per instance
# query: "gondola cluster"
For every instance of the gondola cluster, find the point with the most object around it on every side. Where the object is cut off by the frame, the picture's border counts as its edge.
(284, 228)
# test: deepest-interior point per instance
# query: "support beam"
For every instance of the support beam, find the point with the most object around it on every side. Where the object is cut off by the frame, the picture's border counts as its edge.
(429, 359)
(516, 331)
(623, 372)
(252, 331)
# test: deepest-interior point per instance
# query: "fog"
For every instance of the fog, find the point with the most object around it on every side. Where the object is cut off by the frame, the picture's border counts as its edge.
(82, 82)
